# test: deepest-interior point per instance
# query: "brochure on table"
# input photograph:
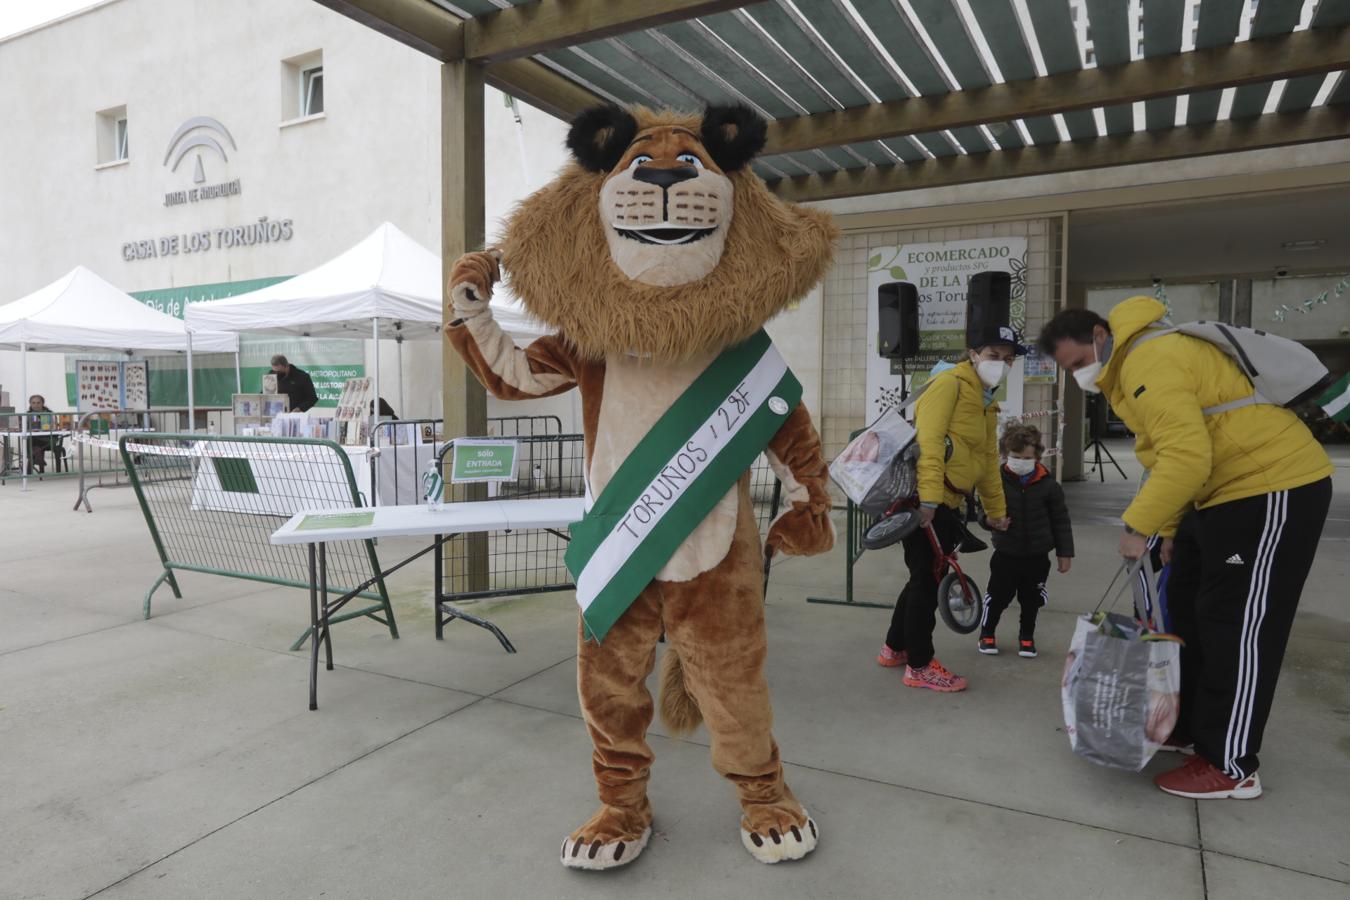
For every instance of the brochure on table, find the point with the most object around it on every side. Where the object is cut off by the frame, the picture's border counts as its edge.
(353, 412)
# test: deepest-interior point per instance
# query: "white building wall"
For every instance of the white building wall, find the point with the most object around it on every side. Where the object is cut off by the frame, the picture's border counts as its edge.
(373, 156)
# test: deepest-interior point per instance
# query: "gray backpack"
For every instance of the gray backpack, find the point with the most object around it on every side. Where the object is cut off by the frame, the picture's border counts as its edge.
(1283, 372)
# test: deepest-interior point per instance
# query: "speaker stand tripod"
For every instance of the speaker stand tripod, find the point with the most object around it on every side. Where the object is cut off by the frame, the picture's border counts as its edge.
(1098, 448)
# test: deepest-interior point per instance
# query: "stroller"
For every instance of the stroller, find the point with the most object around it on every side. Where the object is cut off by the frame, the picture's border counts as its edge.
(878, 472)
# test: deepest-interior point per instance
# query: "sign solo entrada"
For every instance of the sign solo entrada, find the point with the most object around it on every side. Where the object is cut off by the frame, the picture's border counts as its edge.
(264, 231)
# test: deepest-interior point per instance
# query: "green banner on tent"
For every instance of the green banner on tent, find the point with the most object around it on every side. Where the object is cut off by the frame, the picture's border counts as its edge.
(329, 362)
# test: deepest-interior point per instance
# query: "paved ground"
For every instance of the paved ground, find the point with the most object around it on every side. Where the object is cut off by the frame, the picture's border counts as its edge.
(175, 757)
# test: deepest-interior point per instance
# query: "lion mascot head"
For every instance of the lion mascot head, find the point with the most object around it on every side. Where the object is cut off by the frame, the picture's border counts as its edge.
(659, 240)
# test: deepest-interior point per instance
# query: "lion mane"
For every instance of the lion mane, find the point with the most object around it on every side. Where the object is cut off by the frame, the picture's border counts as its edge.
(558, 263)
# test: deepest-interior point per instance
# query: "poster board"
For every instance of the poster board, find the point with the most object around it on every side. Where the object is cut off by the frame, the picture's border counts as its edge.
(111, 384)
(941, 272)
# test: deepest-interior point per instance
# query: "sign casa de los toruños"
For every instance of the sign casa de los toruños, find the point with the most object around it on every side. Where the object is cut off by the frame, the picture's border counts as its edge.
(198, 136)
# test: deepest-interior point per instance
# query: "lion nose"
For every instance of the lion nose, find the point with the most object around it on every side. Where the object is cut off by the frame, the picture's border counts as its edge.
(664, 178)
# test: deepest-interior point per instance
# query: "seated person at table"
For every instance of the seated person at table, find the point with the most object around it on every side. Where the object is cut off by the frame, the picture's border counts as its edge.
(386, 411)
(40, 445)
(295, 383)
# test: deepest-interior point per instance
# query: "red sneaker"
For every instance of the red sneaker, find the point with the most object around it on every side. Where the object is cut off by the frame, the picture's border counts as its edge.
(1199, 779)
(988, 645)
(891, 658)
(935, 677)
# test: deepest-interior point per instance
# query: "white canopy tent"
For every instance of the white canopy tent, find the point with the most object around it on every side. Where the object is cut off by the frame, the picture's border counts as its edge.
(387, 287)
(80, 311)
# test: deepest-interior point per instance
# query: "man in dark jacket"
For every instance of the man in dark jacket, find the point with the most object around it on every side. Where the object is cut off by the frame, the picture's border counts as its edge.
(1040, 523)
(295, 383)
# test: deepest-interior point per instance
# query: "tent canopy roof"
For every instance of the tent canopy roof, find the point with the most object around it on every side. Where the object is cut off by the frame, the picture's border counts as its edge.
(387, 275)
(80, 311)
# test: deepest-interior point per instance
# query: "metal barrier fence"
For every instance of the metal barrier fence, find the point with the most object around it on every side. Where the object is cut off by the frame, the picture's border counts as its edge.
(31, 453)
(211, 503)
(508, 564)
(54, 440)
(406, 447)
(93, 443)
(522, 426)
(856, 523)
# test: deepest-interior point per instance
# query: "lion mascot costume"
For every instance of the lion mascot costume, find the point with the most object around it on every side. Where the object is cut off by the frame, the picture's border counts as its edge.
(657, 256)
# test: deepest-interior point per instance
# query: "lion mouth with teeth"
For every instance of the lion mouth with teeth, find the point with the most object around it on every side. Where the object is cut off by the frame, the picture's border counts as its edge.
(696, 255)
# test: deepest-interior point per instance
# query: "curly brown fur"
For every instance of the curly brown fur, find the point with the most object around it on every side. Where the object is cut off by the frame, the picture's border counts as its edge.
(679, 712)
(558, 263)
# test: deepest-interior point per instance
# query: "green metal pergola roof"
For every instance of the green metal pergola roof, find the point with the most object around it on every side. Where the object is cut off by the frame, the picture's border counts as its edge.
(873, 95)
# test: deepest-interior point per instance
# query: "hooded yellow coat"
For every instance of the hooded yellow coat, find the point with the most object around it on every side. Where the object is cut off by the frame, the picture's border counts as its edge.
(952, 407)
(1159, 389)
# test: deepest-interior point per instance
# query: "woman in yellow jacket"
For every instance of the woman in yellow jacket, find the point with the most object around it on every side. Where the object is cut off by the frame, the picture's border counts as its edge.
(1260, 487)
(957, 423)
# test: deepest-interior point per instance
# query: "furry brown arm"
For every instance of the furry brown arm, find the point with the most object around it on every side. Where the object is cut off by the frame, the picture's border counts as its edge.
(543, 369)
(804, 529)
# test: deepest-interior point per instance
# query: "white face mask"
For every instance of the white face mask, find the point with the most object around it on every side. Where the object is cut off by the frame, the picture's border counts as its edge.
(1087, 375)
(1019, 466)
(992, 372)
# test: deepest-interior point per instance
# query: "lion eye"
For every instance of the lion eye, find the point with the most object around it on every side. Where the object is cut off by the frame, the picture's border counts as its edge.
(691, 159)
(639, 160)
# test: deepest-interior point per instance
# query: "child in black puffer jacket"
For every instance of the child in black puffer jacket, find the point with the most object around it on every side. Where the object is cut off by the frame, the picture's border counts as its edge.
(1040, 523)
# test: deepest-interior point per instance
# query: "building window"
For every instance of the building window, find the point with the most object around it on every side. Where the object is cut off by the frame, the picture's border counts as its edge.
(302, 87)
(121, 133)
(112, 135)
(311, 87)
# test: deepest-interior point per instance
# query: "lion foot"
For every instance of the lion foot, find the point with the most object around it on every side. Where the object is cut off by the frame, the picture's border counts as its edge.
(613, 837)
(774, 842)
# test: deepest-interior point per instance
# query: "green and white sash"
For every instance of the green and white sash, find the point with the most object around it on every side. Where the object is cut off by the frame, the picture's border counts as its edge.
(676, 474)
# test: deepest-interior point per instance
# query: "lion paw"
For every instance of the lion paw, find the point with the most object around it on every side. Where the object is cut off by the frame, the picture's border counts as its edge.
(613, 837)
(472, 278)
(802, 531)
(772, 845)
(596, 854)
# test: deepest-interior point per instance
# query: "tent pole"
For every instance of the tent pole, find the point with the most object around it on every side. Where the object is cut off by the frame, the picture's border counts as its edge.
(402, 407)
(238, 381)
(24, 450)
(192, 412)
(375, 412)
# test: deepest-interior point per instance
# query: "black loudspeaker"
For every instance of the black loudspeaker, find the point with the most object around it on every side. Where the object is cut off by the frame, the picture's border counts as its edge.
(988, 304)
(898, 320)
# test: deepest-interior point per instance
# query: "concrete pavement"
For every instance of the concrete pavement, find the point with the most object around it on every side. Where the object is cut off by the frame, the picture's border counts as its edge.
(175, 757)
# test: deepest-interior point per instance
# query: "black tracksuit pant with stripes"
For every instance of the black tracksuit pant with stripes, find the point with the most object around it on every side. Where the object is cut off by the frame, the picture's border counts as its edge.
(1020, 576)
(1236, 576)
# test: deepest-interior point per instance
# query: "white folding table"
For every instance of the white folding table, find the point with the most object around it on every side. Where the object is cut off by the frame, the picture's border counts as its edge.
(317, 528)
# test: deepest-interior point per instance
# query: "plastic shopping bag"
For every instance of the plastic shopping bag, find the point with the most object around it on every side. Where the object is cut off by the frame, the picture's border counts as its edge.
(1122, 682)
(877, 466)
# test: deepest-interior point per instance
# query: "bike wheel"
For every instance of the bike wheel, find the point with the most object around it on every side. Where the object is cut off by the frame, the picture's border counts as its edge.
(891, 530)
(961, 606)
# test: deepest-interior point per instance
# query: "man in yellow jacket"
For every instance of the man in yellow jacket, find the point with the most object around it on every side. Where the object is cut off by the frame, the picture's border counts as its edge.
(957, 423)
(1260, 487)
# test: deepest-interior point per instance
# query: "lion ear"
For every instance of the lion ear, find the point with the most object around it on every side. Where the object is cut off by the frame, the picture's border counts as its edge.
(732, 135)
(600, 135)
